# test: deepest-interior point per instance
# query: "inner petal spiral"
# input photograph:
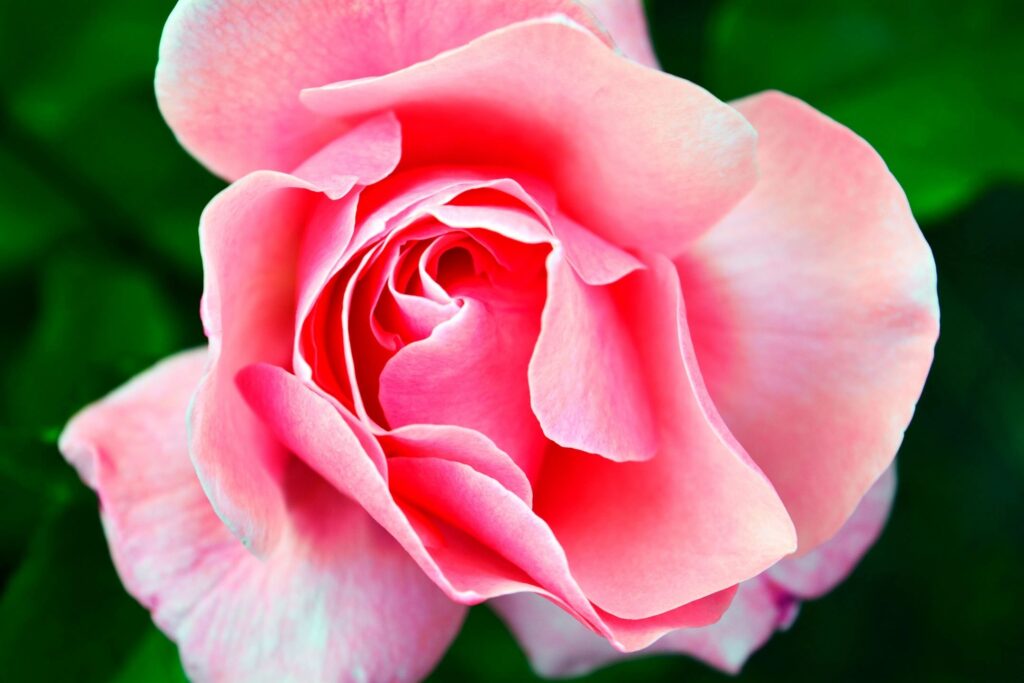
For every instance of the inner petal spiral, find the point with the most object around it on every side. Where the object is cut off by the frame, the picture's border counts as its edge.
(435, 322)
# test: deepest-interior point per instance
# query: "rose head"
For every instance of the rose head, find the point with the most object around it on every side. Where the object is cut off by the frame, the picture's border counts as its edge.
(498, 311)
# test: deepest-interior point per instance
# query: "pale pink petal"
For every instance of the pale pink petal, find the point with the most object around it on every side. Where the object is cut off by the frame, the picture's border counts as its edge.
(230, 71)
(641, 158)
(559, 646)
(625, 21)
(814, 313)
(471, 372)
(338, 600)
(759, 609)
(822, 569)
(249, 236)
(595, 260)
(471, 535)
(364, 155)
(586, 387)
(698, 517)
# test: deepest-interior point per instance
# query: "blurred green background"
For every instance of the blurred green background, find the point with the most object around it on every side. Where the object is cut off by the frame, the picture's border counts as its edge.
(100, 277)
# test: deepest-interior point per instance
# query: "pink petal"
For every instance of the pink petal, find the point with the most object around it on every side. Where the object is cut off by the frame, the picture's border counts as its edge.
(558, 645)
(822, 569)
(230, 71)
(396, 206)
(625, 21)
(814, 313)
(471, 535)
(458, 496)
(642, 158)
(338, 599)
(586, 388)
(470, 372)
(364, 155)
(461, 445)
(595, 261)
(249, 234)
(698, 517)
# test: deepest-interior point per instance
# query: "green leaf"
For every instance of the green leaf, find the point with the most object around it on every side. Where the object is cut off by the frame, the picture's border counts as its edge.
(64, 615)
(35, 482)
(91, 123)
(155, 660)
(33, 213)
(933, 86)
(101, 322)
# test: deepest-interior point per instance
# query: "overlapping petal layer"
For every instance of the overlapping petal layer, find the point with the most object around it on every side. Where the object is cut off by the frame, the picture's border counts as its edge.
(337, 600)
(559, 646)
(814, 314)
(513, 96)
(230, 70)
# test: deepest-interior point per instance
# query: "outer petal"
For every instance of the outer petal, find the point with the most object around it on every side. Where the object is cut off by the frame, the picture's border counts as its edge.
(625, 21)
(822, 569)
(642, 158)
(340, 602)
(644, 537)
(230, 71)
(814, 313)
(250, 237)
(559, 646)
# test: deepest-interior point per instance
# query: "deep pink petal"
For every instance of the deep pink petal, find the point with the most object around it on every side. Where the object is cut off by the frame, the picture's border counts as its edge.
(595, 260)
(364, 156)
(814, 313)
(625, 21)
(460, 497)
(471, 372)
(458, 444)
(558, 645)
(586, 387)
(649, 160)
(470, 534)
(230, 71)
(698, 517)
(338, 600)
(335, 445)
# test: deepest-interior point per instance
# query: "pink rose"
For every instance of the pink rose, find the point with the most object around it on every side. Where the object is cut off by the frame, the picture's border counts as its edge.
(497, 312)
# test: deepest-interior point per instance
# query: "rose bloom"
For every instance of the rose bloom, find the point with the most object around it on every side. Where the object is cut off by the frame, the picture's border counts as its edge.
(498, 311)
